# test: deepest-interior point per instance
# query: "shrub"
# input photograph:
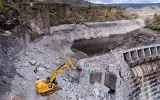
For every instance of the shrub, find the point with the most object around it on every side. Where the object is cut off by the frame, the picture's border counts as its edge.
(148, 21)
(1, 5)
(32, 36)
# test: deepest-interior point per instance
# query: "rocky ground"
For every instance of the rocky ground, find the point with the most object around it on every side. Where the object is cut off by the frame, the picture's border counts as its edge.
(141, 37)
(10, 43)
(46, 53)
(20, 56)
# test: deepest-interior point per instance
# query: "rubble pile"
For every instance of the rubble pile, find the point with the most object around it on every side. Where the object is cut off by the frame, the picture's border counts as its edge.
(141, 37)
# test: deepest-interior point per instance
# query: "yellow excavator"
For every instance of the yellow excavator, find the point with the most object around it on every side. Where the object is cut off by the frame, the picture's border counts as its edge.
(49, 85)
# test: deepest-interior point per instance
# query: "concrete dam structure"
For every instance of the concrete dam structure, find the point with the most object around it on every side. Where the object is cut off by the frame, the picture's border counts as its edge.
(145, 72)
(133, 74)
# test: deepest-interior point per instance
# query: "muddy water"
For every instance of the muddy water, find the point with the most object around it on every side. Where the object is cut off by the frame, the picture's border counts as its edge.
(93, 47)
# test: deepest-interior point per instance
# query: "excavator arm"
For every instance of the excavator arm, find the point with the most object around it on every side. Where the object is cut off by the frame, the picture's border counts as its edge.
(59, 70)
(46, 87)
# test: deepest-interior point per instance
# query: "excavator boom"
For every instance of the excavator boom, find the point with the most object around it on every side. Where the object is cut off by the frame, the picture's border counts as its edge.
(60, 69)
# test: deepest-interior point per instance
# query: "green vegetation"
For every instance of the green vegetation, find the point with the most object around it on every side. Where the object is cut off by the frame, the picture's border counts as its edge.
(7, 6)
(146, 9)
(155, 24)
(32, 36)
(66, 14)
(26, 2)
(1, 4)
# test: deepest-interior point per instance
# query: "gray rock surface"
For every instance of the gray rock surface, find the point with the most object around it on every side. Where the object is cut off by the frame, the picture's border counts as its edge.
(51, 51)
(97, 29)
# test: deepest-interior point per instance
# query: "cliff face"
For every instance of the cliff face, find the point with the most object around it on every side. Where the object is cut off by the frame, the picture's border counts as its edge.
(11, 43)
(39, 16)
(43, 15)
(66, 14)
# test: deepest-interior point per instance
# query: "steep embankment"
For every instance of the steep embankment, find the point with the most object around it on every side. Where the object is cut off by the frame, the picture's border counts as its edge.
(96, 30)
(69, 14)
(11, 43)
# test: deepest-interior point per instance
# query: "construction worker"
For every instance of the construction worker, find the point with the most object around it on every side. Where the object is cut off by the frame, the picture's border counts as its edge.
(37, 77)
(35, 69)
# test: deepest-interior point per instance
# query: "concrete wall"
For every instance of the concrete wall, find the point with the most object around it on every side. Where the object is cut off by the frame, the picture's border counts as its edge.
(141, 55)
(140, 81)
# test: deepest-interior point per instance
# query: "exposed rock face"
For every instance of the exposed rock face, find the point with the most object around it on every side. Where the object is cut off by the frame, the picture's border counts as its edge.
(40, 23)
(10, 45)
(8, 21)
(138, 38)
(97, 29)
(68, 14)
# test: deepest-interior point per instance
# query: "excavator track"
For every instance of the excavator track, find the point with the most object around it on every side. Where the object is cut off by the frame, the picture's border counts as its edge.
(51, 91)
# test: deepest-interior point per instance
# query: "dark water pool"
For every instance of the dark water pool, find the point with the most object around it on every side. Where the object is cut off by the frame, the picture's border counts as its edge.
(93, 47)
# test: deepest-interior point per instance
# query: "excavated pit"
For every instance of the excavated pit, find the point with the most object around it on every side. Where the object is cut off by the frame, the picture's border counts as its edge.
(94, 47)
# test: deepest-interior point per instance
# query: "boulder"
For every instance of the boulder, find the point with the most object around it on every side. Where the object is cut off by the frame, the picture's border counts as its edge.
(32, 62)
(72, 97)
(96, 91)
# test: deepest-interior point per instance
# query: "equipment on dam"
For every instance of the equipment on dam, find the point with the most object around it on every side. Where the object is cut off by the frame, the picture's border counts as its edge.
(49, 85)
